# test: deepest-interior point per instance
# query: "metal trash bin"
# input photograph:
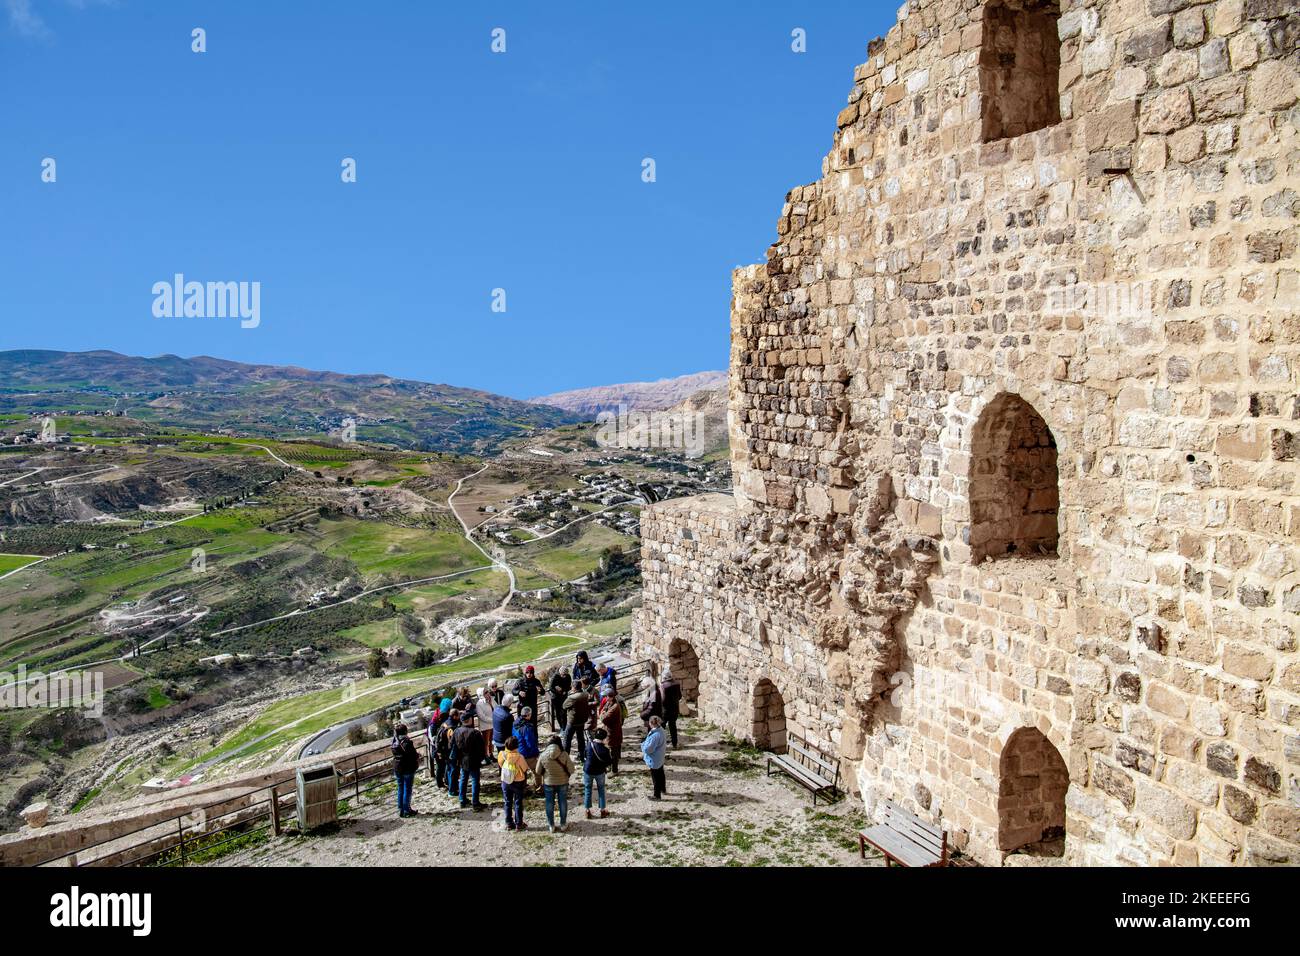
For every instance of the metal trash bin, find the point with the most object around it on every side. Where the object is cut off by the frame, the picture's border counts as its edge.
(318, 796)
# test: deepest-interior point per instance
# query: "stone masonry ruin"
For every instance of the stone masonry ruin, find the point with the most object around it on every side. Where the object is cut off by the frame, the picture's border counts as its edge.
(1015, 431)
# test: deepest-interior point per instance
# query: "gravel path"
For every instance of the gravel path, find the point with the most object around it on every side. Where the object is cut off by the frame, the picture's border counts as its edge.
(721, 810)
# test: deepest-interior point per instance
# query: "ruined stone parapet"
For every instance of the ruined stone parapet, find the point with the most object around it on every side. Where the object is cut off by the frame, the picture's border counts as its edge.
(1016, 438)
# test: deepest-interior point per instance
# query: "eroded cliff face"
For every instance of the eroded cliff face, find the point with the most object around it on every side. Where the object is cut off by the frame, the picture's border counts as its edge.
(1013, 423)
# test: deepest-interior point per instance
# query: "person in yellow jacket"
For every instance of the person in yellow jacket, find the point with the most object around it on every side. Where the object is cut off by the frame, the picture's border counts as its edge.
(514, 770)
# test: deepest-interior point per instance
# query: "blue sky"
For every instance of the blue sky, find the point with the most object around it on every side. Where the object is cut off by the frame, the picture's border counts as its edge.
(475, 171)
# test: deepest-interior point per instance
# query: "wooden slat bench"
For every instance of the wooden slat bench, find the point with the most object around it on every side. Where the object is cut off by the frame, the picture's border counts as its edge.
(807, 767)
(905, 839)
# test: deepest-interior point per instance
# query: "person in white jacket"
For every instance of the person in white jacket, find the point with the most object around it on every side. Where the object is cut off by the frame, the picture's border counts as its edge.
(484, 705)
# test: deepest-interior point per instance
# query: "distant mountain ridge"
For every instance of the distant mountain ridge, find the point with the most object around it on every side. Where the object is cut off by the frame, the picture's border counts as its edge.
(211, 394)
(642, 396)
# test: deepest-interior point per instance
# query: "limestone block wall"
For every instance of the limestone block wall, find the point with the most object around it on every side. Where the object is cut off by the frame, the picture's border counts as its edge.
(744, 650)
(1015, 418)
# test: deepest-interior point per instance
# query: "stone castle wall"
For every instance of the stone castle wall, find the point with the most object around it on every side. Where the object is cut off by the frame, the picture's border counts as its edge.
(1015, 429)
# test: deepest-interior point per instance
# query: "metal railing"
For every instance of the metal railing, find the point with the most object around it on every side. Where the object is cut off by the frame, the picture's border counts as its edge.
(199, 834)
(190, 835)
(635, 670)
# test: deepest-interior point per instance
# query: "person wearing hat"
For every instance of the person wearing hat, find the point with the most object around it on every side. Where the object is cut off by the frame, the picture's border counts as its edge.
(610, 719)
(529, 692)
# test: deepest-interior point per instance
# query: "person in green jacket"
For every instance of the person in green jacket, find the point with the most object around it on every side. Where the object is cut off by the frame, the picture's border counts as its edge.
(555, 767)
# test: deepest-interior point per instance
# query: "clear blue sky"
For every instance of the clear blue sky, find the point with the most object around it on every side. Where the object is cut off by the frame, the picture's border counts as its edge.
(476, 171)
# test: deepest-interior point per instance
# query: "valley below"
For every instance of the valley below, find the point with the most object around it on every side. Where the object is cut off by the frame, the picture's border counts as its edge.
(241, 594)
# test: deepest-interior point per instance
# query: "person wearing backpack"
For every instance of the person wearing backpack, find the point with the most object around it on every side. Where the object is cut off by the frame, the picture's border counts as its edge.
(406, 761)
(525, 733)
(473, 750)
(560, 685)
(514, 771)
(670, 692)
(437, 763)
(610, 718)
(598, 760)
(556, 767)
(447, 744)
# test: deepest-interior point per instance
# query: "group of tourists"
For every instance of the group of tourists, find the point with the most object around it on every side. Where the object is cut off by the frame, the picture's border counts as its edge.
(499, 726)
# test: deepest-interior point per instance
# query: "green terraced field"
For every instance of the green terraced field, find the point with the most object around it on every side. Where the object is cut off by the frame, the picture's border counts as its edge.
(49, 614)
(616, 627)
(567, 562)
(379, 549)
(316, 711)
(12, 562)
(425, 595)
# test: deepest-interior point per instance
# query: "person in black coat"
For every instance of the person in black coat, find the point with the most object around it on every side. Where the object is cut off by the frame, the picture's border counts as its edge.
(528, 691)
(561, 684)
(406, 761)
(472, 749)
(670, 692)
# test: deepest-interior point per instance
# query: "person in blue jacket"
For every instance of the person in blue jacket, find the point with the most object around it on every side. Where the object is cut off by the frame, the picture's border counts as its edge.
(503, 721)
(584, 670)
(654, 749)
(526, 734)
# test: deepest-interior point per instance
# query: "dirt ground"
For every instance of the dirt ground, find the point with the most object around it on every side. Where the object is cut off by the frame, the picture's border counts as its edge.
(721, 810)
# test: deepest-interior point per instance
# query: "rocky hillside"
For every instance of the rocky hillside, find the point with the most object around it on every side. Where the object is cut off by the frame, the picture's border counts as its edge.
(643, 396)
(211, 395)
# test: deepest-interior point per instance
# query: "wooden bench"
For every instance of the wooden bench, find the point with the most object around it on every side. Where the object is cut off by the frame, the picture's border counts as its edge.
(808, 768)
(905, 839)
